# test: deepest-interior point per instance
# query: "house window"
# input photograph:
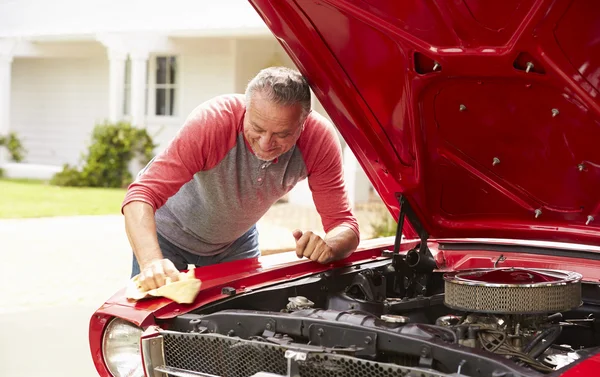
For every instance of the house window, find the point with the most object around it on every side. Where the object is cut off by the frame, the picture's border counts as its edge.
(165, 86)
(161, 83)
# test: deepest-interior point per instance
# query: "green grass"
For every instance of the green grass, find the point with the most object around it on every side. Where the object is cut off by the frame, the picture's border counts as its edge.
(29, 198)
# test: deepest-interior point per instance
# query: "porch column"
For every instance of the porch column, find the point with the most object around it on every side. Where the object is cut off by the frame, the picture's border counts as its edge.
(139, 61)
(116, 64)
(5, 68)
(6, 48)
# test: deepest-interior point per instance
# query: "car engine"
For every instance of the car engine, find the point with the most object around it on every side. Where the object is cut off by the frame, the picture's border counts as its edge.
(394, 317)
(513, 312)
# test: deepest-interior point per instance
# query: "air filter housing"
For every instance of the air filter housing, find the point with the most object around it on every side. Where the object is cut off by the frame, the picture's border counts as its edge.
(513, 290)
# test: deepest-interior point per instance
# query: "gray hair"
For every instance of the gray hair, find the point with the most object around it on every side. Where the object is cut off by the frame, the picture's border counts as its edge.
(281, 85)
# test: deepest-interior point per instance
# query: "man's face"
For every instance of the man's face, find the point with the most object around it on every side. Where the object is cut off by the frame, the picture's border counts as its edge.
(271, 129)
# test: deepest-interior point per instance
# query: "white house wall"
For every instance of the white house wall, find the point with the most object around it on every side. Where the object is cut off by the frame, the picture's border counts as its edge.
(55, 104)
(60, 90)
(59, 49)
(210, 67)
(253, 55)
(206, 70)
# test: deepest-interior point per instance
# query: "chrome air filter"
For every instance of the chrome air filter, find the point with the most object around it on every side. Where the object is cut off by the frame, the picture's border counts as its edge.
(513, 290)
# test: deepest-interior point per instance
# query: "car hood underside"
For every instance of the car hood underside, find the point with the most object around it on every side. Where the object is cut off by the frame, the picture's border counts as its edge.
(484, 115)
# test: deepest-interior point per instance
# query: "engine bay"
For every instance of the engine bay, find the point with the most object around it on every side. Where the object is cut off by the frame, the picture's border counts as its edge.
(400, 312)
(396, 316)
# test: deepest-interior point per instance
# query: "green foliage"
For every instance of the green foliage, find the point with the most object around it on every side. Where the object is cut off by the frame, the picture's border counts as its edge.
(112, 148)
(14, 146)
(384, 224)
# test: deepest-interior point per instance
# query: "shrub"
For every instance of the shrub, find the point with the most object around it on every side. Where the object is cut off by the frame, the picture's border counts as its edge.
(113, 147)
(384, 224)
(14, 146)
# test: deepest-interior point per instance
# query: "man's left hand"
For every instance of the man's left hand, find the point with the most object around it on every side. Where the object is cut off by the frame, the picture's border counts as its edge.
(313, 247)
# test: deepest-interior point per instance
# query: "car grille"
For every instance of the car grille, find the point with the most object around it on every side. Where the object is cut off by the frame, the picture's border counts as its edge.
(223, 356)
(218, 355)
(328, 366)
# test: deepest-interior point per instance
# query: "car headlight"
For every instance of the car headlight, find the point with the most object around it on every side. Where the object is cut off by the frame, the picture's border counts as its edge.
(121, 349)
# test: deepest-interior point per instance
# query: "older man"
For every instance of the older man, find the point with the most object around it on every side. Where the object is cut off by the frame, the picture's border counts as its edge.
(198, 201)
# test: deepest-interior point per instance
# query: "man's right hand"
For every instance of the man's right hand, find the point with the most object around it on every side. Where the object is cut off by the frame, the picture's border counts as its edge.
(153, 275)
(141, 232)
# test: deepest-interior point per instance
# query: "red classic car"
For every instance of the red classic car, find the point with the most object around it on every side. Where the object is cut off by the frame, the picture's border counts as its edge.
(478, 122)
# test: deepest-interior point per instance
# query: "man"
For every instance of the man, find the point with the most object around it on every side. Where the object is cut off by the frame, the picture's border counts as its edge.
(198, 201)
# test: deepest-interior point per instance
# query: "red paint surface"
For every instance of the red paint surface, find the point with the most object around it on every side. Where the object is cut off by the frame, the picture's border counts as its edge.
(243, 274)
(248, 273)
(370, 63)
(96, 329)
(457, 260)
(587, 368)
(283, 267)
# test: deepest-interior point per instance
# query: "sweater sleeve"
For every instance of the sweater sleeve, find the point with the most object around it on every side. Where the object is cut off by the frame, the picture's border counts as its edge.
(323, 158)
(207, 135)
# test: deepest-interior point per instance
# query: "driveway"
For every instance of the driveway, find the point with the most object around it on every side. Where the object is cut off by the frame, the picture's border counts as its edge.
(56, 271)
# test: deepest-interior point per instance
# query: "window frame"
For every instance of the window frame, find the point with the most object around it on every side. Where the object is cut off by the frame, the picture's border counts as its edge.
(153, 87)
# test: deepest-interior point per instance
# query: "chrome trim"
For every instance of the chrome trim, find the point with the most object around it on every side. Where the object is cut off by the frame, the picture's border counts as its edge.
(186, 373)
(154, 356)
(181, 372)
(564, 277)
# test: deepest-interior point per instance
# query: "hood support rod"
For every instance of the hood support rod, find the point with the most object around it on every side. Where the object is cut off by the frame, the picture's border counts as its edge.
(400, 226)
(413, 270)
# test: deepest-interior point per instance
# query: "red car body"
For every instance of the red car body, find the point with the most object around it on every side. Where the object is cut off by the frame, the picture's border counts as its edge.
(484, 115)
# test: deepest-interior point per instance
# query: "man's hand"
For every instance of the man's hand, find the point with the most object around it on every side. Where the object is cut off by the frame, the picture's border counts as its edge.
(339, 243)
(154, 274)
(141, 232)
(313, 247)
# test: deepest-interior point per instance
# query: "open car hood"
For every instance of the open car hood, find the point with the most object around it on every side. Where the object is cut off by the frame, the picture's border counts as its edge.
(484, 115)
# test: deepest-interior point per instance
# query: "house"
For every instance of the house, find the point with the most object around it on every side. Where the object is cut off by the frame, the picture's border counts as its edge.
(67, 65)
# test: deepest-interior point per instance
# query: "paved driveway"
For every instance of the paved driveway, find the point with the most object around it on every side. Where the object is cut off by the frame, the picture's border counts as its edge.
(56, 271)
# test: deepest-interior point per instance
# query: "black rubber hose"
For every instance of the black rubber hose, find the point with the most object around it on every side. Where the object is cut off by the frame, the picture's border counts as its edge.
(536, 347)
(443, 329)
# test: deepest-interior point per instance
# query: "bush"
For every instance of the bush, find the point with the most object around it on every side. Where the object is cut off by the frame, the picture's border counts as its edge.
(14, 146)
(384, 224)
(112, 148)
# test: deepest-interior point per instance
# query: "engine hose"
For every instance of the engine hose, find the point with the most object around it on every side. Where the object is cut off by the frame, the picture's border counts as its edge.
(442, 329)
(536, 347)
(448, 320)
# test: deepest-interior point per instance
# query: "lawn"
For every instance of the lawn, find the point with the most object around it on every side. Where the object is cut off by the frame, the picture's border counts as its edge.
(27, 198)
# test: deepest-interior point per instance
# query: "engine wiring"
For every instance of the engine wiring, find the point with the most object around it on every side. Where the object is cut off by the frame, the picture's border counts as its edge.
(499, 345)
